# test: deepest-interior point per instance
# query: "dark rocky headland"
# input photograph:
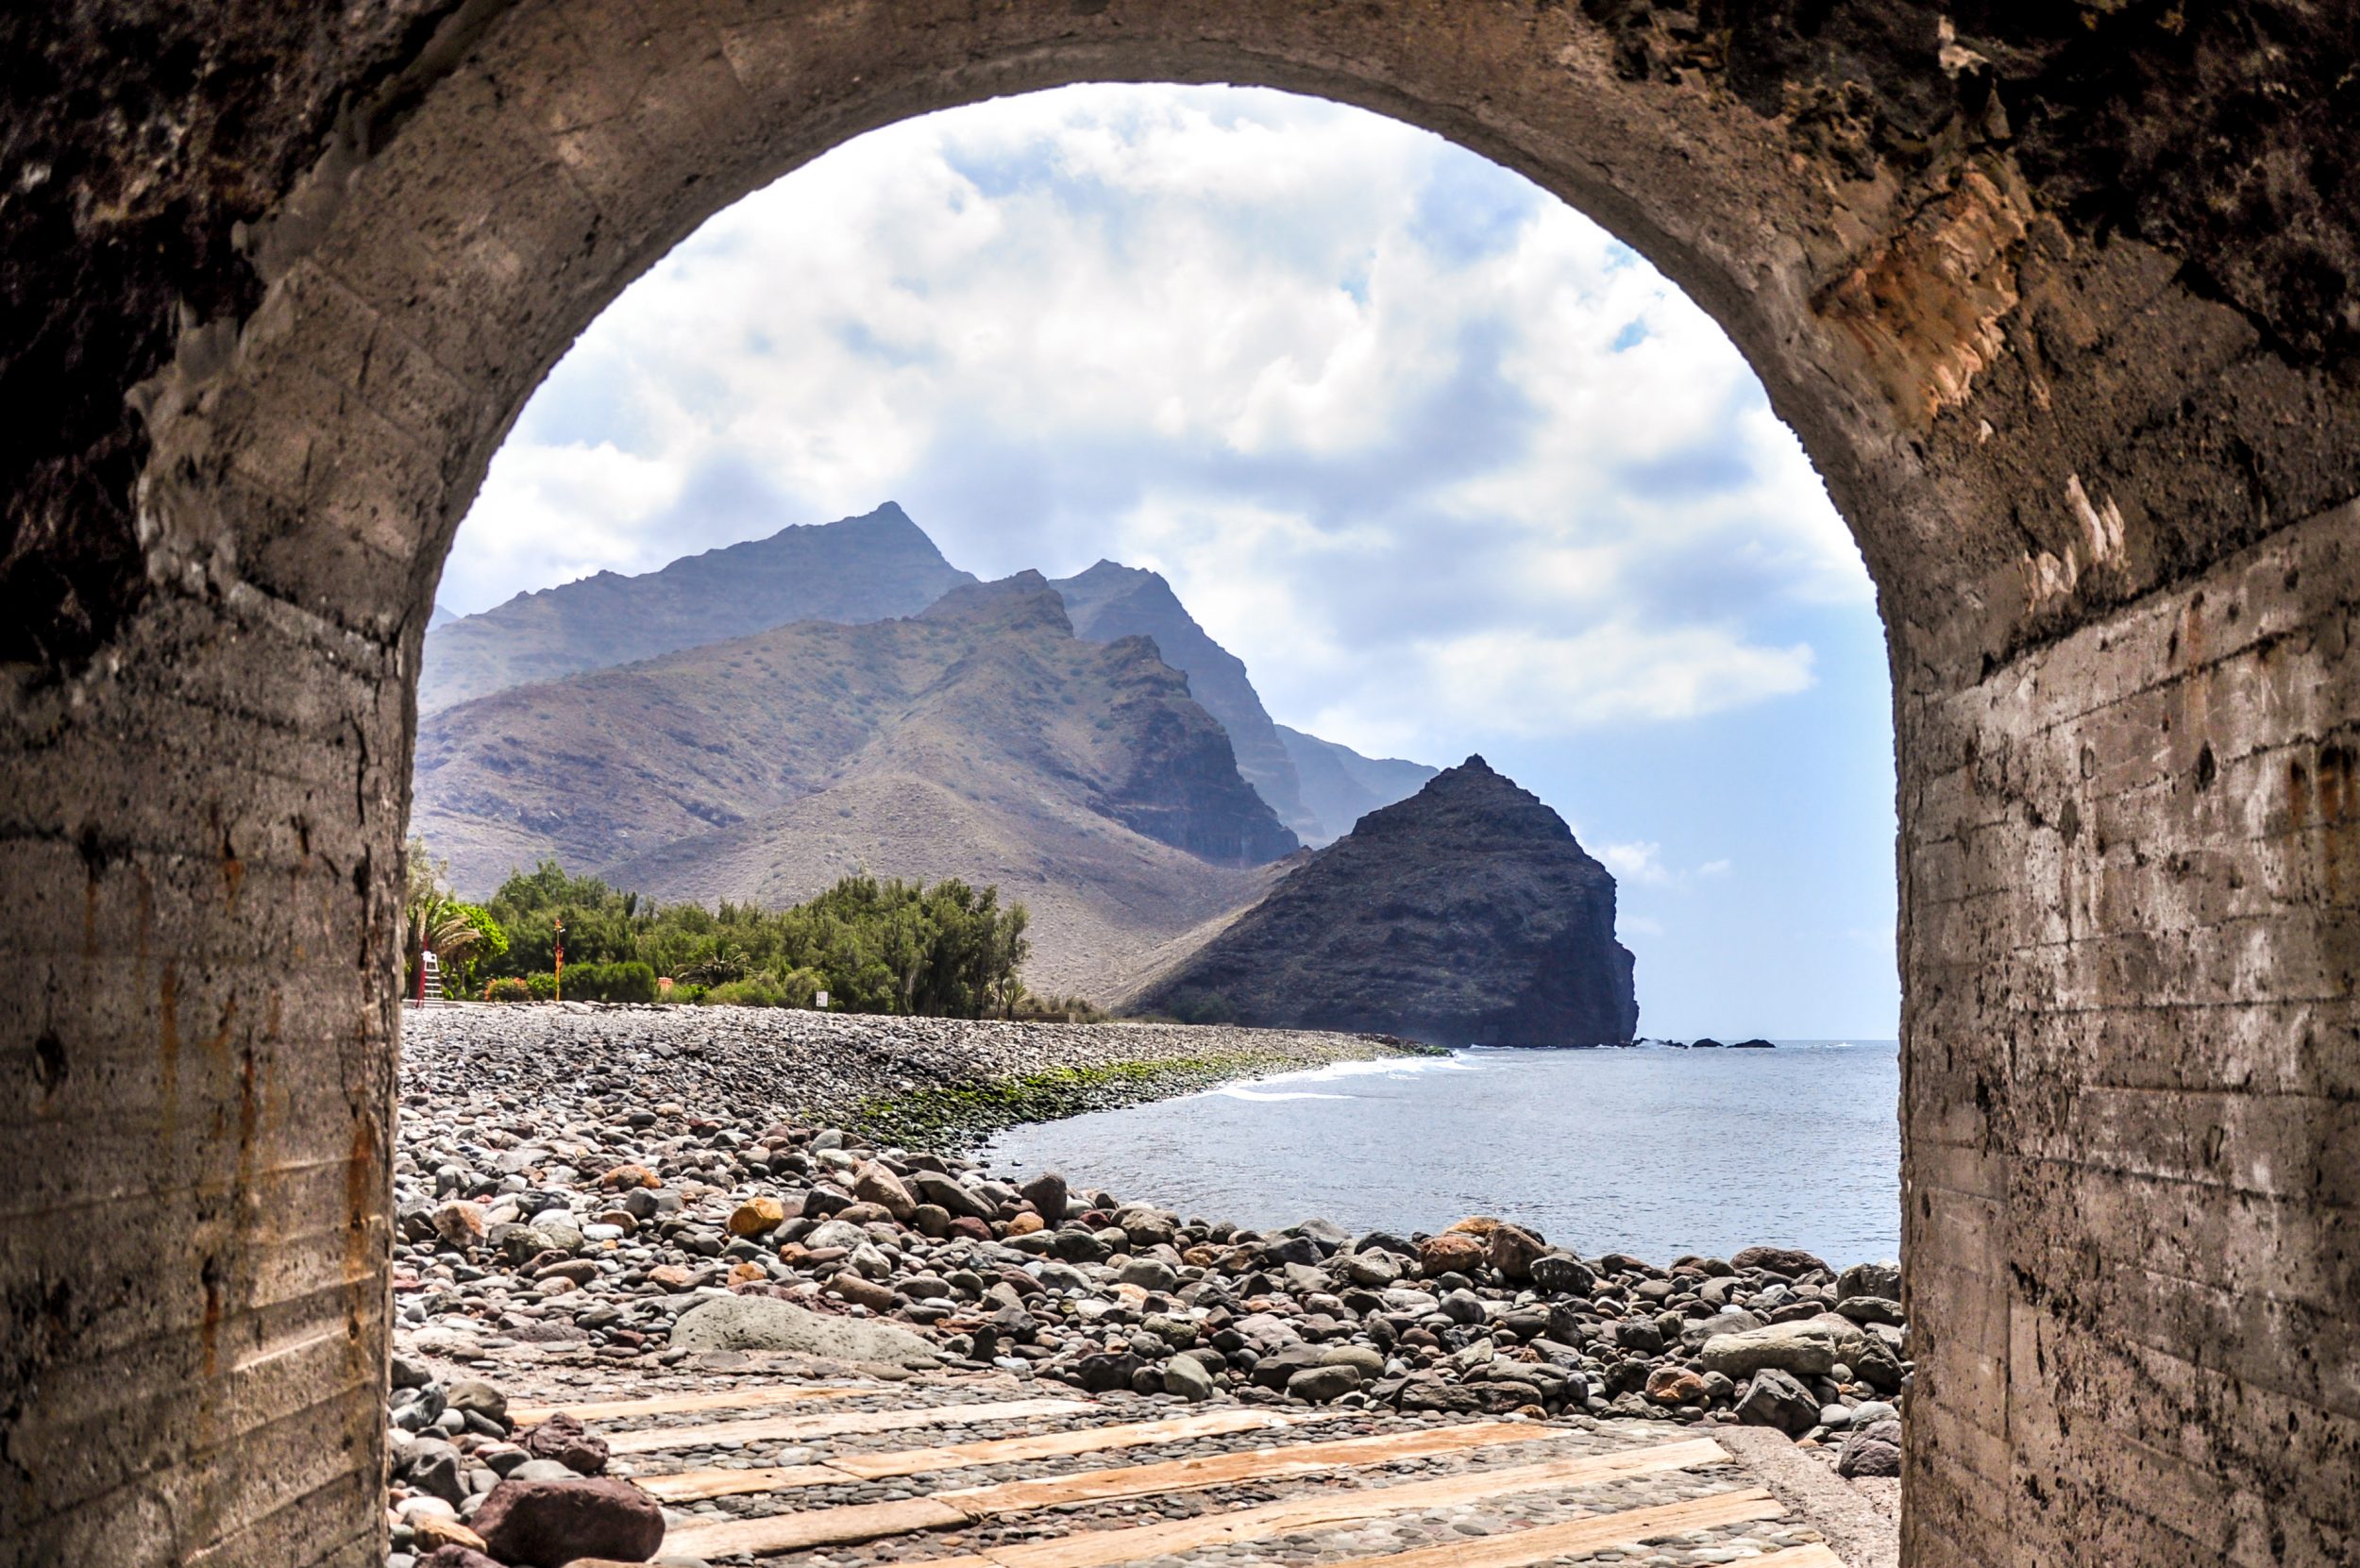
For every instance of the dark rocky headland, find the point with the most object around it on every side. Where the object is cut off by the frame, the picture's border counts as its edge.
(1465, 915)
(671, 1188)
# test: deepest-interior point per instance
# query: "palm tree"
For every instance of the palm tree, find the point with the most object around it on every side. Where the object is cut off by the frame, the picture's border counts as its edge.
(432, 918)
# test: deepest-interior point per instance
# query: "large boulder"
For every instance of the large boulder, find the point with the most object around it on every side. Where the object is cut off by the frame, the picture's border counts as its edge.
(1869, 1279)
(1047, 1193)
(1774, 1399)
(960, 1202)
(1808, 1348)
(1453, 1251)
(1792, 1262)
(1873, 1450)
(549, 1524)
(763, 1322)
(874, 1184)
(1513, 1250)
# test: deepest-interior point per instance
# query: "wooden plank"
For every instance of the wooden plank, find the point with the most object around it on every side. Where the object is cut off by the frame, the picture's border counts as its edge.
(1263, 1464)
(1088, 1440)
(1576, 1537)
(656, 1440)
(691, 1485)
(744, 1397)
(809, 1527)
(798, 1531)
(1096, 1548)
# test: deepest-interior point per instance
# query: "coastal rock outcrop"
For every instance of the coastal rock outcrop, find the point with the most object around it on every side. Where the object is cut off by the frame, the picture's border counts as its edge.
(1466, 915)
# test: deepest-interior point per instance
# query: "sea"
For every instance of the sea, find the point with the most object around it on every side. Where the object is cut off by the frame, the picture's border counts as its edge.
(1651, 1151)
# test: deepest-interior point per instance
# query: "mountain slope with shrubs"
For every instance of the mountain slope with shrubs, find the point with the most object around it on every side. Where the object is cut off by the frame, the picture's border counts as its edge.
(980, 741)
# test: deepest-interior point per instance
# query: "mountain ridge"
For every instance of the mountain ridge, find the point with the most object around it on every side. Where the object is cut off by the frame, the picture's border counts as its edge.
(874, 566)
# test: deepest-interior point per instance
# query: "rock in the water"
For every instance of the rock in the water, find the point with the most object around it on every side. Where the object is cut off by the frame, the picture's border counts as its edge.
(1806, 1348)
(1871, 1450)
(567, 1441)
(1774, 1399)
(1465, 914)
(549, 1524)
(761, 1322)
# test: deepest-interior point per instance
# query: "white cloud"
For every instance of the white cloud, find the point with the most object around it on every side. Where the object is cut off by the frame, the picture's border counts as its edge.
(1432, 453)
(1640, 862)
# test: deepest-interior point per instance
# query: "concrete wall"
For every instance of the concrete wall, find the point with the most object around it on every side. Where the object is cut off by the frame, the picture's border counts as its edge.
(2057, 305)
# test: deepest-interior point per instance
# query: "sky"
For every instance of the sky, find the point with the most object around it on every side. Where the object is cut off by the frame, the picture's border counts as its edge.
(1450, 468)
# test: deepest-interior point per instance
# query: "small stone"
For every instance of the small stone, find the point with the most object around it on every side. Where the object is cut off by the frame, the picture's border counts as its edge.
(1561, 1272)
(1869, 1279)
(460, 1223)
(874, 1184)
(564, 1440)
(757, 1216)
(1808, 1347)
(1026, 1223)
(455, 1557)
(1512, 1251)
(620, 1176)
(476, 1396)
(760, 1322)
(430, 1532)
(1676, 1386)
(870, 1293)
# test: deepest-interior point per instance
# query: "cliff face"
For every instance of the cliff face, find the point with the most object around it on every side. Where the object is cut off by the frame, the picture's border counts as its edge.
(1111, 601)
(1466, 915)
(865, 568)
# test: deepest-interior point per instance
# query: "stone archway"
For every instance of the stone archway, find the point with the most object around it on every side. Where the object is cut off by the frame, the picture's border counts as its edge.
(2062, 318)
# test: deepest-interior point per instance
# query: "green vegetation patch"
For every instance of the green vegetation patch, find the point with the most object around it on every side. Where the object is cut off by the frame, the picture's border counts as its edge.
(942, 1116)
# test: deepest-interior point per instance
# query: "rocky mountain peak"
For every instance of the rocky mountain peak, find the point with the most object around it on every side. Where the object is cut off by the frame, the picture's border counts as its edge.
(1465, 915)
(1021, 603)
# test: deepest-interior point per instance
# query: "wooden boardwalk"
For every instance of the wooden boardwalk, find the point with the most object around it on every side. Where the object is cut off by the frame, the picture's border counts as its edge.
(1093, 1486)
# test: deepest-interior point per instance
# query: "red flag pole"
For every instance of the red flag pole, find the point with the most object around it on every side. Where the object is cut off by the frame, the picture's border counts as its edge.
(558, 989)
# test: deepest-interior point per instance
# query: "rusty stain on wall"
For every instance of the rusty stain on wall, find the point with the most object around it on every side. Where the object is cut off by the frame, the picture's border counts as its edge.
(1926, 309)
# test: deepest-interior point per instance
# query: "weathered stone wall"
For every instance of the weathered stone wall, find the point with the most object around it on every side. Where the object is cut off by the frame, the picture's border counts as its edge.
(2132, 1086)
(197, 866)
(2059, 303)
